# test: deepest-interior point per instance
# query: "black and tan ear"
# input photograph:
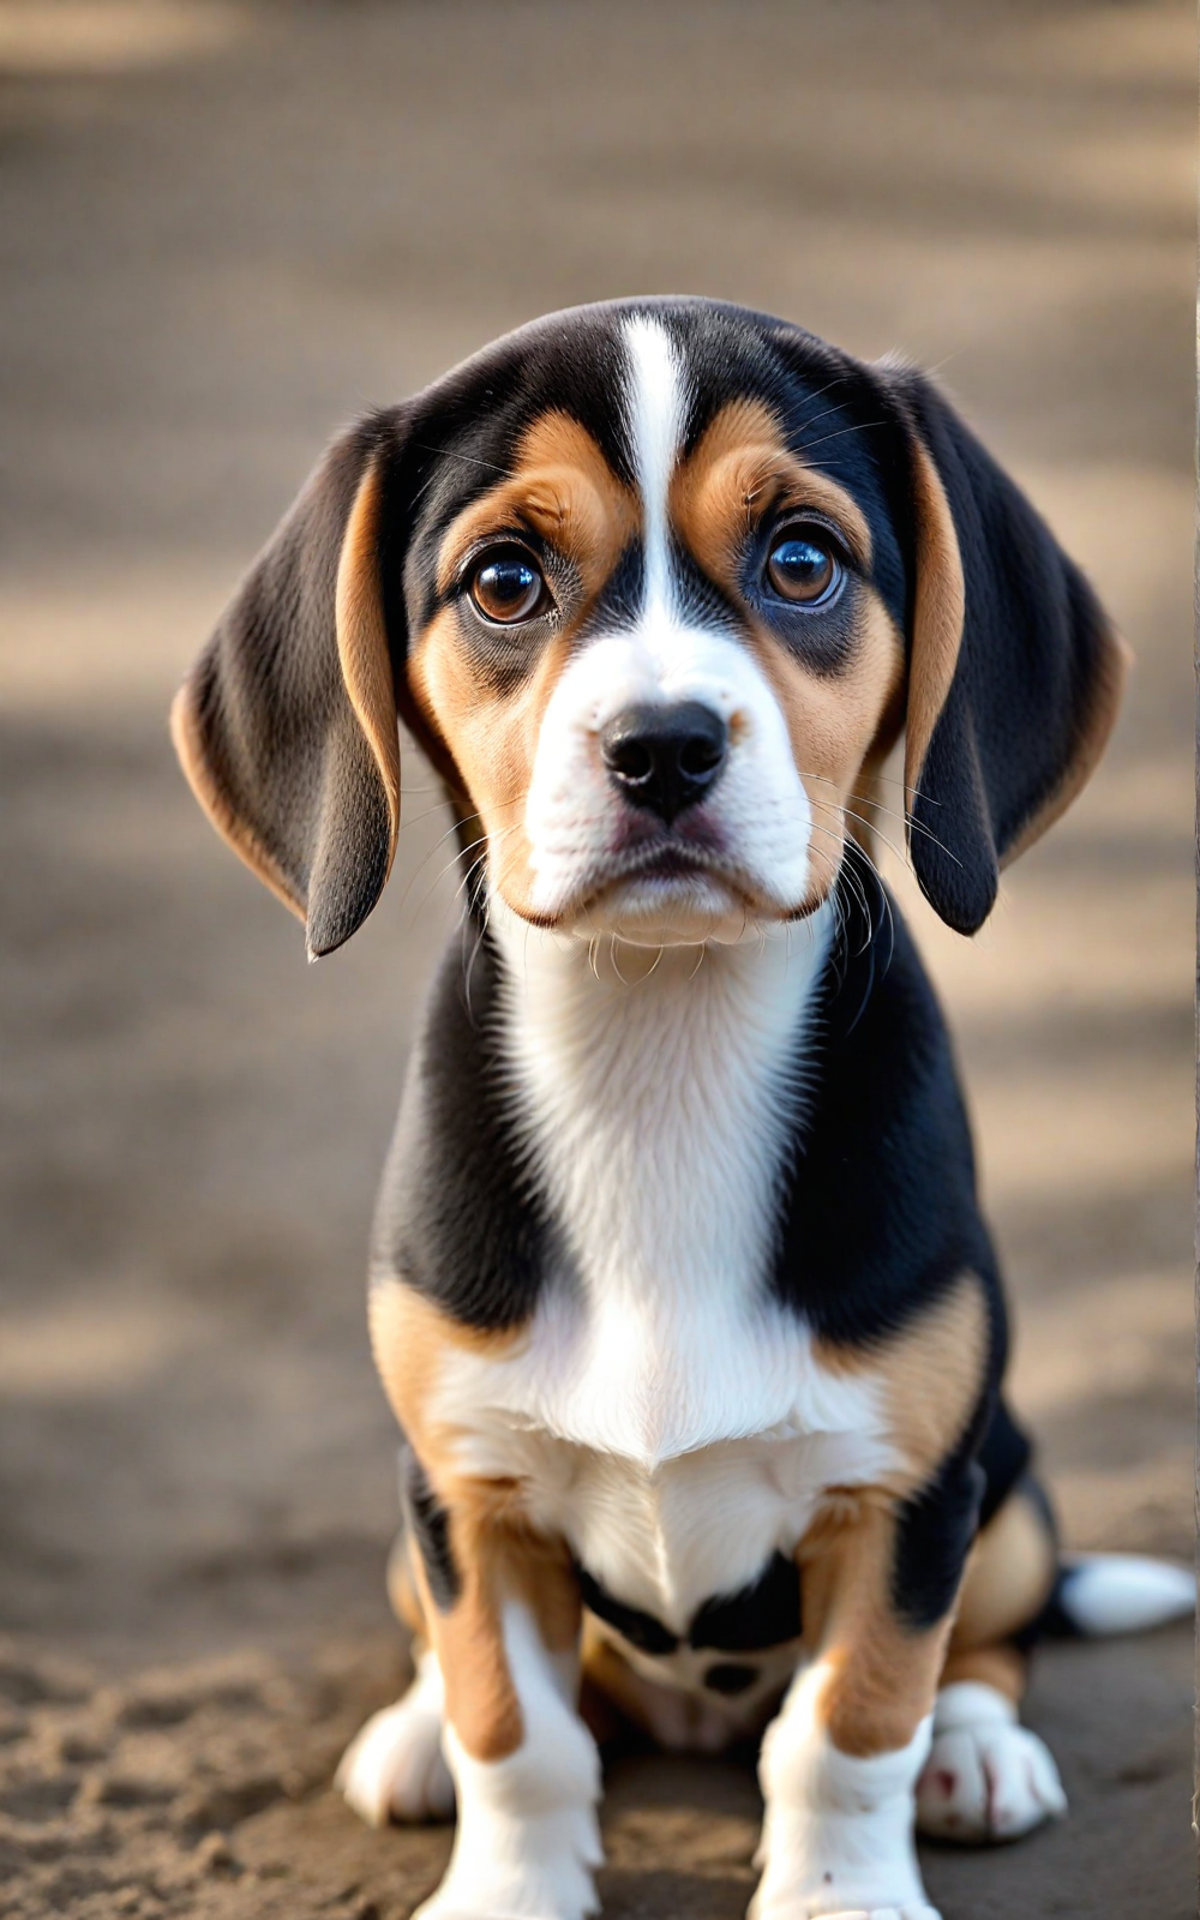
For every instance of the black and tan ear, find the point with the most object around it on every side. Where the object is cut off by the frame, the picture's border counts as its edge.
(286, 726)
(1015, 671)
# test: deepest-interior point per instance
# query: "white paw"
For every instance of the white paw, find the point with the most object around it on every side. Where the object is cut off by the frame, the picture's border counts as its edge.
(394, 1769)
(537, 1866)
(837, 1839)
(987, 1777)
(816, 1908)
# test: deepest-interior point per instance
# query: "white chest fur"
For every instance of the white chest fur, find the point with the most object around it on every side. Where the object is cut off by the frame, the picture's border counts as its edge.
(662, 1412)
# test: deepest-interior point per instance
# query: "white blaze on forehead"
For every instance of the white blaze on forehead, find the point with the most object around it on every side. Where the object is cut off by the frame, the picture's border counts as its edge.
(578, 826)
(655, 413)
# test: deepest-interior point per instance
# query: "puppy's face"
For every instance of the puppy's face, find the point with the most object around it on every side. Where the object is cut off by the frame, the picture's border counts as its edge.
(659, 655)
(657, 583)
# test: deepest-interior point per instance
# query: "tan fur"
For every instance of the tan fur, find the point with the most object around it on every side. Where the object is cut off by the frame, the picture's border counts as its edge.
(410, 1337)
(496, 1554)
(362, 641)
(882, 1674)
(939, 602)
(493, 736)
(193, 758)
(934, 1374)
(562, 487)
(481, 1700)
(931, 1377)
(1010, 1575)
(741, 471)
(366, 665)
(1000, 1667)
(937, 638)
(497, 1562)
(867, 802)
(403, 1594)
(833, 721)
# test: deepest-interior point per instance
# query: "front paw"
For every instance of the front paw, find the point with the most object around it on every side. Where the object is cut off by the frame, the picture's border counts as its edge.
(987, 1778)
(536, 1867)
(816, 1907)
(854, 1888)
(393, 1769)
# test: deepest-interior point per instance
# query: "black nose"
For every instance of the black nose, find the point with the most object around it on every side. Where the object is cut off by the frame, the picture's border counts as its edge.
(665, 758)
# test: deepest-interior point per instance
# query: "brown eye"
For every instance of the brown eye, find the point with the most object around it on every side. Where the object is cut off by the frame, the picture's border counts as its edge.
(801, 568)
(507, 588)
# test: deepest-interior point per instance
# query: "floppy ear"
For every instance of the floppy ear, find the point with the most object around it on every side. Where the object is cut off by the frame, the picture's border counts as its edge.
(286, 726)
(1015, 672)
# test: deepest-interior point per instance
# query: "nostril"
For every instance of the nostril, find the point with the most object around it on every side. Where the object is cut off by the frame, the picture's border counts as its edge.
(665, 758)
(698, 757)
(631, 760)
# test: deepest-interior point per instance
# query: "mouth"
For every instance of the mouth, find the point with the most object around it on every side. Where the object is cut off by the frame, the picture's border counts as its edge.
(665, 892)
(682, 886)
(670, 862)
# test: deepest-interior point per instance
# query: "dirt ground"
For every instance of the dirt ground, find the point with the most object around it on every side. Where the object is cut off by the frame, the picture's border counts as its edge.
(226, 229)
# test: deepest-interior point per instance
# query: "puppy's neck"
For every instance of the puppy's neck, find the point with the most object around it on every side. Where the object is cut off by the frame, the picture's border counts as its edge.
(563, 989)
(659, 1096)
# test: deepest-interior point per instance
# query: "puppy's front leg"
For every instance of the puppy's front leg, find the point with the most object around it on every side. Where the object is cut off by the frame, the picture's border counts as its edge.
(840, 1763)
(502, 1608)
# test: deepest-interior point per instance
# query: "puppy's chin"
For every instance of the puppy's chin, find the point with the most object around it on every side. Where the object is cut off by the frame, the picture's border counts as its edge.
(685, 910)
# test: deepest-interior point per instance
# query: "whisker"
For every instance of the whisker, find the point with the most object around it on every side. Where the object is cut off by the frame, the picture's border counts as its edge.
(415, 819)
(468, 459)
(850, 814)
(853, 878)
(911, 826)
(460, 854)
(441, 841)
(437, 845)
(859, 426)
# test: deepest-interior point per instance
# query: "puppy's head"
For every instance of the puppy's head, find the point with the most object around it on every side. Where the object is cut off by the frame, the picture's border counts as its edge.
(657, 584)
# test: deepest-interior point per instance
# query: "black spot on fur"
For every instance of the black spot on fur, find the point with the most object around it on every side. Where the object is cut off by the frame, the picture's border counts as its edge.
(933, 1538)
(429, 1525)
(761, 1615)
(641, 1630)
(458, 1216)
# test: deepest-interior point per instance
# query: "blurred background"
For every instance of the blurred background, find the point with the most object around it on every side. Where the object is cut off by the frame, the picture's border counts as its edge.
(228, 228)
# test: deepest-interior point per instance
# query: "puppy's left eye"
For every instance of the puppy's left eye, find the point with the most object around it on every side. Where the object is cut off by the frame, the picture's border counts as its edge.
(508, 587)
(803, 568)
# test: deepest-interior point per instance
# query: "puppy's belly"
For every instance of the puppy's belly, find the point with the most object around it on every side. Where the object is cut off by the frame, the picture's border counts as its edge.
(687, 1566)
(666, 1540)
(737, 1651)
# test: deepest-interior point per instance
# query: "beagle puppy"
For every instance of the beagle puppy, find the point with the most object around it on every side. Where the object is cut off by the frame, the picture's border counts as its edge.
(680, 1288)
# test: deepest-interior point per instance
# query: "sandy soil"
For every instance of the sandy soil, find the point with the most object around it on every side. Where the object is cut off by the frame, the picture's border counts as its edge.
(226, 229)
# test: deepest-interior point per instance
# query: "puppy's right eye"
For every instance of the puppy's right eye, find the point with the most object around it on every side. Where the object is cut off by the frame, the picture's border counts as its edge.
(508, 587)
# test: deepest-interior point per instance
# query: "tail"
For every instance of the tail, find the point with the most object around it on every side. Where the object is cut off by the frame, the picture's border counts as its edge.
(1102, 1593)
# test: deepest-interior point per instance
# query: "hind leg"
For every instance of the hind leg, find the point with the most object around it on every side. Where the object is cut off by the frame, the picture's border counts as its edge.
(394, 1768)
(988, 1778)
